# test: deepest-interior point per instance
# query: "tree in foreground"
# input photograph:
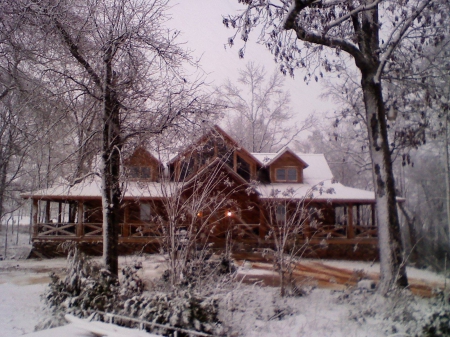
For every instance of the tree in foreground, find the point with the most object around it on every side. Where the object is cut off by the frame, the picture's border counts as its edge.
(119, 54)
(370, 33)
(194, 207)
(289, 219)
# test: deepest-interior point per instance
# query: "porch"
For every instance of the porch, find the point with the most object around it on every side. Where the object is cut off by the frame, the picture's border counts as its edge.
(335, 233)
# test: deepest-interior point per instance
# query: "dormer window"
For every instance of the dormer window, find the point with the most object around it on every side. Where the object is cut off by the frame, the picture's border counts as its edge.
(140, 172)
(286, 174)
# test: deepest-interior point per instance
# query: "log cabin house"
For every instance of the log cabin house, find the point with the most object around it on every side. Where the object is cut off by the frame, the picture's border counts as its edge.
(223, 192)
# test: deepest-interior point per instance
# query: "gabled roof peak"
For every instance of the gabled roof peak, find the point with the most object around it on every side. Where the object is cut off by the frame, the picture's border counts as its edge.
(269, 158)
(205, 135)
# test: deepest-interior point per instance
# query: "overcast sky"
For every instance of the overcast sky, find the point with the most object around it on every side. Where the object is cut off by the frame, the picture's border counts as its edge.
(200, 22)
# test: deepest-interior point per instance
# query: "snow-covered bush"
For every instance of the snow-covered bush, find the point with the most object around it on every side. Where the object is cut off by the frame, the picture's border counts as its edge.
(180, 309)
(88, 288)
(200, 275)
(438, 324)
(398, 313)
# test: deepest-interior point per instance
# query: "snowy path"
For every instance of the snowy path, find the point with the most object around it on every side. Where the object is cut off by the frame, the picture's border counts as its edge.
(336, 275)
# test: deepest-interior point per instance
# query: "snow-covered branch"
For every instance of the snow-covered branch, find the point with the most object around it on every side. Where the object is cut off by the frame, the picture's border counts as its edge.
(395, 40)
(361, 8)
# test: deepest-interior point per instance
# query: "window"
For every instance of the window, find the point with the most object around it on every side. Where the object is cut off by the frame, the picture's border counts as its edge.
(286, 174)
(243, 168)
(280, 213)
(145, 212)
(140, 172)
(187, 168)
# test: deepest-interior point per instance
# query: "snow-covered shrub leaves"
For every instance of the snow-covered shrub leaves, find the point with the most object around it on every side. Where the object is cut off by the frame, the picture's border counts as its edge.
(438, 324)
(180, 309)
(87, 287)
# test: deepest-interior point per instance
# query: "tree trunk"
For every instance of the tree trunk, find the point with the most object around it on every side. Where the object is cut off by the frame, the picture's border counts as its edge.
(447, 172)
(392, 266)
(111, 193)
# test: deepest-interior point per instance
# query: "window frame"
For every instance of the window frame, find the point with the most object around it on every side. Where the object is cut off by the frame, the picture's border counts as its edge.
(286, 174)
(140, 172)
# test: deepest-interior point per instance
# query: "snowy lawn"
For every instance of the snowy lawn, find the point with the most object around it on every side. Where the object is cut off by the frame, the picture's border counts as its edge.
(250, 310)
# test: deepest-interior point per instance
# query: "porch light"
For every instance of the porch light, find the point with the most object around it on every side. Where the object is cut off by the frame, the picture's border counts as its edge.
(229, 213)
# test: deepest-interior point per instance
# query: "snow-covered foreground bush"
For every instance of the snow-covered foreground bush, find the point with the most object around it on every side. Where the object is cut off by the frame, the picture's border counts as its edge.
(210, 299)
(88, 289)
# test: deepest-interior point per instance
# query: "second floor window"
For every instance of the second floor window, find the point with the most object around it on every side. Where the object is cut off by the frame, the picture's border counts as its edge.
(286, 174)
(140, 172)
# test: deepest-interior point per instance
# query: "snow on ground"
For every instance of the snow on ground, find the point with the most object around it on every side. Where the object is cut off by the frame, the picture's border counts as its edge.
(250, 310)
(84, 328)
(20, 308)
(420, 274)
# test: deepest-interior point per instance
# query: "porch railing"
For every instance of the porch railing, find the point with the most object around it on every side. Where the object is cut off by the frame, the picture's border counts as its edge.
(153, 230)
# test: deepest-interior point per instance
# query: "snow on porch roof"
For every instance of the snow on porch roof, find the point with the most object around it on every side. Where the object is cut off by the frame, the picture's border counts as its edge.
(91, 189)
(326, 191)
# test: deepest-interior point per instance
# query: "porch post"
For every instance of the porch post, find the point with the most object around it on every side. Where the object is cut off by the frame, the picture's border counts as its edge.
(372, 208)
(80, 219)
(350, 229)
(126, 217)
(59, 211)
(47, 212)
(358, 215)
(35, 217)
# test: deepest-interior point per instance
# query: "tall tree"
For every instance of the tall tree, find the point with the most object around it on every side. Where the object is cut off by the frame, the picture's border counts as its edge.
(261, 118)
(370, 32)
(119, 54)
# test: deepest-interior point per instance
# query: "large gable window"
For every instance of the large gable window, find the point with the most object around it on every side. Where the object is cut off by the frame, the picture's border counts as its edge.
(288, 174)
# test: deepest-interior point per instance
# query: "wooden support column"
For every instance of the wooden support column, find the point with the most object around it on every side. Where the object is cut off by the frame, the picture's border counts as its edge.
(126, 219)
(358, 215)
(47, 212)
(350, 228)
(372, 209)
(80, 219)
(35, 217)
(59, 211)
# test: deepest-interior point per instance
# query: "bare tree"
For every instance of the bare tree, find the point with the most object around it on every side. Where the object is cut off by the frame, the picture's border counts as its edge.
(120, 55)
(261, 119)
(370, 33)
(286, 219)
(194, 209)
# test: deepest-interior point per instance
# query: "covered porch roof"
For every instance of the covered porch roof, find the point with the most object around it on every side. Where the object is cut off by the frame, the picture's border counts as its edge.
(91, 189)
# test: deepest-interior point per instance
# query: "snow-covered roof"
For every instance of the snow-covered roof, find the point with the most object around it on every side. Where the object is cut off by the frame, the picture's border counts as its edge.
(318, 182)
(91, 189)
(326, 191)
(317, 170)
(268, 158)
